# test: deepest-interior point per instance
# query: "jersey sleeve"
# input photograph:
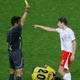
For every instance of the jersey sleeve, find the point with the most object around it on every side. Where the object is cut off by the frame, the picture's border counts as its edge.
(72, 35)
(7, 40)
(58, 30)
(9, 34)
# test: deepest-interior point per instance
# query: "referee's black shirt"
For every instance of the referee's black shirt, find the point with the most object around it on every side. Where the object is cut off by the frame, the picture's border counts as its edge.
(14, 37)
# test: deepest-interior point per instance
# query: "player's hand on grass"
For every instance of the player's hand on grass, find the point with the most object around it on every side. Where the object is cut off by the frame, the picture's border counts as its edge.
(72, 58)
(27, 8)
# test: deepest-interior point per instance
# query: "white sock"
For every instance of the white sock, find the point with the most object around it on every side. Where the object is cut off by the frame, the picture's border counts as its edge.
(67, 76)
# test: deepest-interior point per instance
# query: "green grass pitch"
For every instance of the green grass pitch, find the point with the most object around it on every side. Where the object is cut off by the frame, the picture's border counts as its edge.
(39, 47)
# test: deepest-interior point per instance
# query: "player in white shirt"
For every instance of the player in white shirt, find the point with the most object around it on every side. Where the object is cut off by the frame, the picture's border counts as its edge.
(68, 46)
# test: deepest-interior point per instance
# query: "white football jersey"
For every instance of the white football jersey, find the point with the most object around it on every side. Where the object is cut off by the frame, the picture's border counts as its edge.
(66, 38)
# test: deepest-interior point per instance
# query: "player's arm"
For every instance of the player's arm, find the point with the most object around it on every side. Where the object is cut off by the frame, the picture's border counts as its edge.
(73, 50)
(74, 46)
(45, 28)
(23, 19)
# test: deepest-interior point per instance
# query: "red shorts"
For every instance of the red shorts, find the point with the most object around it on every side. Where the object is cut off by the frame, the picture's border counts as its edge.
(65, 61)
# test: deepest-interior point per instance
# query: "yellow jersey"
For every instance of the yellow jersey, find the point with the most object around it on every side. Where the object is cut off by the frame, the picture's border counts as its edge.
(43, 73)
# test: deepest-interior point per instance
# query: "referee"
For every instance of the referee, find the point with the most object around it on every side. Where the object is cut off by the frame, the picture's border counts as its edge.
(14, 42)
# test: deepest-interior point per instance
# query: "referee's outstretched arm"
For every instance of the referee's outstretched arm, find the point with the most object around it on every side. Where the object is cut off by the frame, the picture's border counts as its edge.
(25, 15)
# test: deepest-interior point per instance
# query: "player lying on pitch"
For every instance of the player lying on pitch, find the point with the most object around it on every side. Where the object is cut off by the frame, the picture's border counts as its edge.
(44, 73)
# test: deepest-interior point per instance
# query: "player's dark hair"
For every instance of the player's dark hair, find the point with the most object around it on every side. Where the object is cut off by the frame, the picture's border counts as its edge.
(15, 19)
(63, 20)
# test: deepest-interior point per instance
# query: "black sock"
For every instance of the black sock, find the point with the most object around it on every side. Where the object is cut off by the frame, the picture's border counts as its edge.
(11, 77)
(18, 78)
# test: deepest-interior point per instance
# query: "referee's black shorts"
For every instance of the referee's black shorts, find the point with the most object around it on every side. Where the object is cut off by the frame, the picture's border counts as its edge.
(16, 59)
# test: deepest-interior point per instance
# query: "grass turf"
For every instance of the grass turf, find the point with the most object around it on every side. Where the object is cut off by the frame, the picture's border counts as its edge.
(39, 47)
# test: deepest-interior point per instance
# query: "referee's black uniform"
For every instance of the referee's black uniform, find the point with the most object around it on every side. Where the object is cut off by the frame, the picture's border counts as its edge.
(14, 41)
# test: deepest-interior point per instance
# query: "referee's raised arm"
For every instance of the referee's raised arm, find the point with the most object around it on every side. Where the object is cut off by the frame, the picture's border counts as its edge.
(23, 19)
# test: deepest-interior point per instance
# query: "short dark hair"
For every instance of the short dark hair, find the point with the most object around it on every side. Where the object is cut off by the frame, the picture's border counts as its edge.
(63, 20)
(15, 19)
